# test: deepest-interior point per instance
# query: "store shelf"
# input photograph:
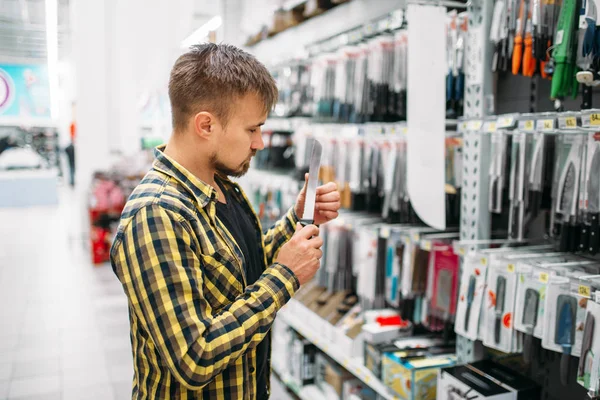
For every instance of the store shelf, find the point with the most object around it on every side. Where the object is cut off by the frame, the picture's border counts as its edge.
(290, 42)
(309, 392)
(352, 364)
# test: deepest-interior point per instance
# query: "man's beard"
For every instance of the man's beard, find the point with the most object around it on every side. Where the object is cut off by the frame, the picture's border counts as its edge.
(232, 172)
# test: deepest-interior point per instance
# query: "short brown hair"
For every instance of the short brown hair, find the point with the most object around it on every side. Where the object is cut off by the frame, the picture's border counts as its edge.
(212, 76)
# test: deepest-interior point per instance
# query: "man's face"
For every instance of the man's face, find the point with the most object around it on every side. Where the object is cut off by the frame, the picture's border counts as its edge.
(241, 138)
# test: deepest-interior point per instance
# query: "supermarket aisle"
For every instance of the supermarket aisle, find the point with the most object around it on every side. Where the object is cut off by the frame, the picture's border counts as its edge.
(64, 327)
(64, 331)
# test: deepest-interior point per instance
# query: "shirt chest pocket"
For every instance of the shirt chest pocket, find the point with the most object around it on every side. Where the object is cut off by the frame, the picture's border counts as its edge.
(223, 281)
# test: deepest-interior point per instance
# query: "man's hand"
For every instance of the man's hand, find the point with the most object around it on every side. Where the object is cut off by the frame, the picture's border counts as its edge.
(302, 254)
(327, 203)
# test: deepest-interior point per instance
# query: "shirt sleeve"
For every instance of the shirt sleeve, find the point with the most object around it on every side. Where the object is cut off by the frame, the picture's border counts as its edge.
(157, 260)
(279, 234)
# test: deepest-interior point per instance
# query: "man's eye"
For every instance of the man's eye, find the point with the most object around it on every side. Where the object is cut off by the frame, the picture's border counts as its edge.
(252, 130)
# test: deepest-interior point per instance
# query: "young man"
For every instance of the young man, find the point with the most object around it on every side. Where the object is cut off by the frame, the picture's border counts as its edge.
(204, 283)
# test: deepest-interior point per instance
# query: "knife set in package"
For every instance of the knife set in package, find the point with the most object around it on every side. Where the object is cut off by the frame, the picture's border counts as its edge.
(589, 201)
(588, 371)
(534, 276)
(565, 313)
(474, 293)
(566, 189)
(500, 305)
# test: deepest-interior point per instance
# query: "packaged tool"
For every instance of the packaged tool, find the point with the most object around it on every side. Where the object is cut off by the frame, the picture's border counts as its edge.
(588, 371)
(500, 304)
(473, 285)
(564, 318)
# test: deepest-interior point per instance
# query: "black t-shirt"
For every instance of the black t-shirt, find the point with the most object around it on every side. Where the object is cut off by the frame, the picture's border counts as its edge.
(236, 218)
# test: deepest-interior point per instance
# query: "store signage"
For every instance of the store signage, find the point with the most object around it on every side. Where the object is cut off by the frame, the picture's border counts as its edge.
(24, 91)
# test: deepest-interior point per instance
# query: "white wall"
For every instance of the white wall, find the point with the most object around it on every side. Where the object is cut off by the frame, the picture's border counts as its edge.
(121, 49)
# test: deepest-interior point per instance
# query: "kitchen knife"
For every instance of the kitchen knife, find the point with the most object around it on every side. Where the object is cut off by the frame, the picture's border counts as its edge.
(594, 202)
(586, 346)
(500, 295)
(567, 198)
(535, 175)
(308, 215)
(532, 298)
(566, 308)
(470, 296)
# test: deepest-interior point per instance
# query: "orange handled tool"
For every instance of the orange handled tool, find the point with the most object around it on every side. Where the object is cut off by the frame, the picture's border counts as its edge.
(529, 62)
(517, 55)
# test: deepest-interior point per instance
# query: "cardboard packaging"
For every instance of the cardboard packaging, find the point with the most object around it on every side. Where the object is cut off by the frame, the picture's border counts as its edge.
(414, 379)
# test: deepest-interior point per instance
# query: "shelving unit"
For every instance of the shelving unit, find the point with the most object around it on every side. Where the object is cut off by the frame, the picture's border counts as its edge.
(288, 43)
(354, 365)
(309, 392)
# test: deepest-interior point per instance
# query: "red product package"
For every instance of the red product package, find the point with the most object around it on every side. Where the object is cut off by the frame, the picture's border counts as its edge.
(445, 270)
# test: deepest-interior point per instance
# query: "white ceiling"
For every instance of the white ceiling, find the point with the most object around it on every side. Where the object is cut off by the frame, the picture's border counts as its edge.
(22, 29)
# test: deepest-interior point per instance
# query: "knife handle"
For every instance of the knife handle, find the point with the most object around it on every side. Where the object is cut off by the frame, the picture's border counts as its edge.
(528, 348)
(467, 317)
(594, 233)
(497, 328)
(305, 222)
(535, 202)
(564, 237)
(584, 242)
(574, 237)
(565, 360)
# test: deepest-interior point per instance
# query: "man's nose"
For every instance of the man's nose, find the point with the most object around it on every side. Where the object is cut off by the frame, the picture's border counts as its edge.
(258, 143)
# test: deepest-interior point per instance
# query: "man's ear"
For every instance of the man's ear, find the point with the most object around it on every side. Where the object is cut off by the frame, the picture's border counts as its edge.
(204, 124)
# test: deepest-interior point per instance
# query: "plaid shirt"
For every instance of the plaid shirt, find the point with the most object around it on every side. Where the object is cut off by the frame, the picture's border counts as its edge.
(195, 324)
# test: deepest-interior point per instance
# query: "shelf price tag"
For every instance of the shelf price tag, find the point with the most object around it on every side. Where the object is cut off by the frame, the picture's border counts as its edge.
(544, 277)
(483, 261)
(506, 121)
(462, 251)
(490, 127)
(510, 268)
(545, 125)
(567, 122)
(527, 125)
(415, 237)
(585, 291)
(426, 245)
(592, 119)
(475, 125)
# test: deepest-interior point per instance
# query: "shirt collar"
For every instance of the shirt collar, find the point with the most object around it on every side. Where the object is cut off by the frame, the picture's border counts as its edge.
(202, 191)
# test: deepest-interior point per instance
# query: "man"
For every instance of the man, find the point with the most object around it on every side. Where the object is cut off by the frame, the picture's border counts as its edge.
(204, 283)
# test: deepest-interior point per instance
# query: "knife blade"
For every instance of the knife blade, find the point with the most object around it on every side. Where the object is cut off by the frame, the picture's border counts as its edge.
(500, 296)
(535, 175)
(566, 203)
(594, 202)
(565, 332)
(308, 215)
(530, 312)
(586, 346)
(470, 297)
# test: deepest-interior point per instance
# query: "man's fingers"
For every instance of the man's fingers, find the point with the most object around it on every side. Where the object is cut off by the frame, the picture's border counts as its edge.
(329, 197)
(316, 242)
(329, 214)
(307, 232)
(327, 188)
(335, 206)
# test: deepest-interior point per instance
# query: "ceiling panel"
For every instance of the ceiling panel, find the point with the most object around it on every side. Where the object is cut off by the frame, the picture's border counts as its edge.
(22, 29)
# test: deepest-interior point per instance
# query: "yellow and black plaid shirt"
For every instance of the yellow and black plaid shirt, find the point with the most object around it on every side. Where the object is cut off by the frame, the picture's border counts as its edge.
(195, 324)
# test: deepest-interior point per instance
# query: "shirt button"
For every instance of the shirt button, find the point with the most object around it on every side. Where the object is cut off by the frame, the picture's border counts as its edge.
(252, 370)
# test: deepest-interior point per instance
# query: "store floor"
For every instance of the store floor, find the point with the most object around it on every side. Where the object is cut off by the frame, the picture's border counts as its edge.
(64, 330)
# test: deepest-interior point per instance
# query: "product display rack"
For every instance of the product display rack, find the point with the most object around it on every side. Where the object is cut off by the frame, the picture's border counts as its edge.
(476, 219)
(354, 365)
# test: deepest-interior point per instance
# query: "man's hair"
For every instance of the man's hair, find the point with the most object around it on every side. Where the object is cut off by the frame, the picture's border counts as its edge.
(210, 77)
